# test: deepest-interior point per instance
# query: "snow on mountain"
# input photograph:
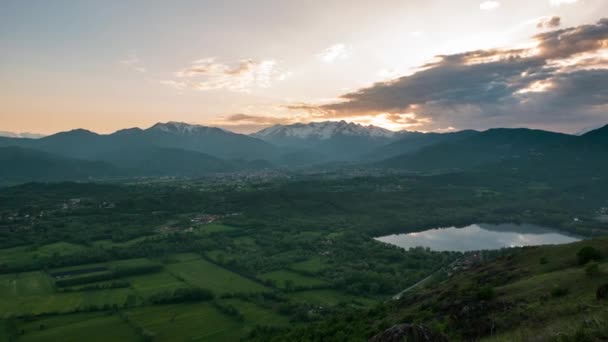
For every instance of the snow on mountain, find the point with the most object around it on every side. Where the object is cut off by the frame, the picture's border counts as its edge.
(323, 131)
(182, 128)
(21, 135)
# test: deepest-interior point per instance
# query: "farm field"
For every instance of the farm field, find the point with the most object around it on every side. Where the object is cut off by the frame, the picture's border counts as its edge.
(75, 328)
(202, 273)
(184, 322)
(329, 298)
(312, 265)
(286, 278)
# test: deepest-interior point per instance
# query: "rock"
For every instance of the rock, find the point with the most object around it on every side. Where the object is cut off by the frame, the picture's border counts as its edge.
(602, 292)
(410, 333)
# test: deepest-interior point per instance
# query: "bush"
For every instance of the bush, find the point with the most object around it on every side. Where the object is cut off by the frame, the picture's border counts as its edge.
(182, 295)
(544, 261)
(587, 254)
(592, 269)
(486, 293)
(602, 292)
(559, 291)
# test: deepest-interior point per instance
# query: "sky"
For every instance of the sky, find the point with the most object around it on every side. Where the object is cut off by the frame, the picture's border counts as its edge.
(430, 65)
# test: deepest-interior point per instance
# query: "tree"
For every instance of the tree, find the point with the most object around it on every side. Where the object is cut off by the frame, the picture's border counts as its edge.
(592, 269)
(587, 254)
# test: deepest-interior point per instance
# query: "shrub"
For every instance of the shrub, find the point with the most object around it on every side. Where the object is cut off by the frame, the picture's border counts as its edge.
(592, 269)
(544, 261)
(486, 293)
(587, 254)
(559, 291)
(602, 292)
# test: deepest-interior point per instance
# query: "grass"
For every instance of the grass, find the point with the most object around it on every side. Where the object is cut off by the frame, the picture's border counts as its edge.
(553, 330)
(149, 284)
(77, 327)
(117, 263)
(328, 298)
(219, 256)
(283, 276)
(204, 274)
(109, 243)
(18, 256)
(213, 228)
(312, 266)
(46, 302)
(25, 284)
(180, 257)
(254, 316)
(185, 322)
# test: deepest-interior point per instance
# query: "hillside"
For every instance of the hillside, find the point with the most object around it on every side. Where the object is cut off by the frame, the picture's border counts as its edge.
(498, 145)
(412, 142)
(22, 164)
(528, 294)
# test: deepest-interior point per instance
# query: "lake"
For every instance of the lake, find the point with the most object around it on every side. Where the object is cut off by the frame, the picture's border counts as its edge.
(480, 236)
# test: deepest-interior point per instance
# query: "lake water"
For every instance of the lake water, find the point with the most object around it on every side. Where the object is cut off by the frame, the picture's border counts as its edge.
(480, 236)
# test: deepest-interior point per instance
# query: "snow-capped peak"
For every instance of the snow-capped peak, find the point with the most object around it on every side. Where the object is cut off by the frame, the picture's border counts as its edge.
(324, 130)
(182, 128)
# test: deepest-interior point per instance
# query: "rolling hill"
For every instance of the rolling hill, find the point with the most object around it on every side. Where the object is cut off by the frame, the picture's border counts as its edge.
(506, 146)
(542, 293)
(22, 164)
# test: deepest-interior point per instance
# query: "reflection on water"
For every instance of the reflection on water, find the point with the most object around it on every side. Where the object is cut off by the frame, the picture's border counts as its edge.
(480, 236)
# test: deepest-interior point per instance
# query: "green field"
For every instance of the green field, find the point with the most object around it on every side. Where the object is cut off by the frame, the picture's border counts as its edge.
(186, 322)
(213, 228)
(18, 256)
(313, 265)
(329, 298)
(283, 277)
(25, 284)
(202, 273)
(110, 243)
(63, 302)
(149, 284)
(100, 327)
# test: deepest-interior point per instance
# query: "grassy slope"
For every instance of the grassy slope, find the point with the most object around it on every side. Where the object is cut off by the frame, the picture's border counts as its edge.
(523, 299)
(522, 308)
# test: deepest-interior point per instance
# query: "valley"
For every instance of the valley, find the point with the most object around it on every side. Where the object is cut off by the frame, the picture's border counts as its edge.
(152, 260)
(270, 250)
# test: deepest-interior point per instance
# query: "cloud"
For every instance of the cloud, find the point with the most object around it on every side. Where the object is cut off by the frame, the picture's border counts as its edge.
(558, 3)
(259, 119)
(133, 62)
(549, 22)
(562, 80)
(248, 123)
(489, 5)
(209, 74)
(333, 53)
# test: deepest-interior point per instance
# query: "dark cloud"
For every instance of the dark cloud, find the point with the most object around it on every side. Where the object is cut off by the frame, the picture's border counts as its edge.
(543, 86)
(549, 23)
(571, 41)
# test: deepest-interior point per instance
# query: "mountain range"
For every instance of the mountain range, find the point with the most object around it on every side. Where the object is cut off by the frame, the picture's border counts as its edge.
(180, 149)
